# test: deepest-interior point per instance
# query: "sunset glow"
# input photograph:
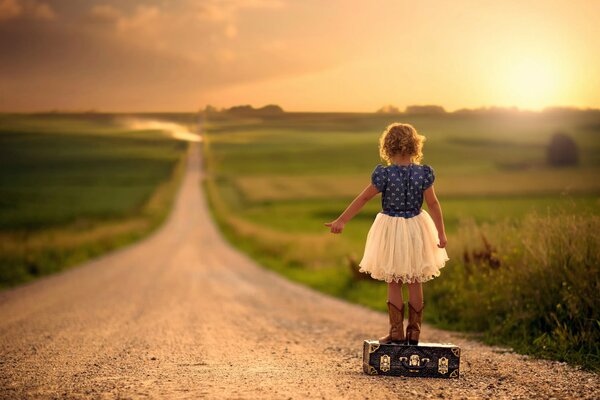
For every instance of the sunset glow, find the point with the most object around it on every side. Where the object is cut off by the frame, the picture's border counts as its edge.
(533, 83)
(151, 55)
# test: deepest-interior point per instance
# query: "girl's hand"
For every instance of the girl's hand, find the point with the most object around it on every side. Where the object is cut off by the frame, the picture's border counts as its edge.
(443, 241)
(336, 226)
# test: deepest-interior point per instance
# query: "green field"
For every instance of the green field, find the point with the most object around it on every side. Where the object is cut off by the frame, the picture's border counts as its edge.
(75, 186)
(274, 182)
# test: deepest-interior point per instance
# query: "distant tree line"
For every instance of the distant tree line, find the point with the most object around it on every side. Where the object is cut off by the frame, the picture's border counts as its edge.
(431, 109)
(246, 110)
(426, 109)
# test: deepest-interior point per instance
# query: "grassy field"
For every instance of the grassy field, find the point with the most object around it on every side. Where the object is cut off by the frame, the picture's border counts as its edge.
(75, 186)
(275, 181)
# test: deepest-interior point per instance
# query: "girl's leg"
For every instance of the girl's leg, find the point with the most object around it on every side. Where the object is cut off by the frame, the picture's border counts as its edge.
(395, 293)
(415, 313)
(395, 306)
(415, 295)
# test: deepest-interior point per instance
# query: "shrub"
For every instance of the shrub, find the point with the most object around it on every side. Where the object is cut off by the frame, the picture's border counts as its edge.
(562, 150)
(541, 298)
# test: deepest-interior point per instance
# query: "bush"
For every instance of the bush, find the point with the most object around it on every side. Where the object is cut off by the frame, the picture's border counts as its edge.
(541, 297)
(562, 150)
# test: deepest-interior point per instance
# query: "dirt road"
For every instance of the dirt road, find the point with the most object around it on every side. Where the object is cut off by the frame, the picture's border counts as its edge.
(184, 315)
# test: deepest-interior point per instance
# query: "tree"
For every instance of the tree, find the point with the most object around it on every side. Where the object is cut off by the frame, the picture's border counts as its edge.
(388, 109)
(270, 109)
(426, 109)
(562, 150)
(247, 109)
(209, 109)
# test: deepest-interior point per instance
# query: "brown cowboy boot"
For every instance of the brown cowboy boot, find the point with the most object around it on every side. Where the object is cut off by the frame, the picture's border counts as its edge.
(413, 329)
(396, 334)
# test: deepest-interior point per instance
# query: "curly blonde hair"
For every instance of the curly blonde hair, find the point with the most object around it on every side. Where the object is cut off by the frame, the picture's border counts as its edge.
(401, 139)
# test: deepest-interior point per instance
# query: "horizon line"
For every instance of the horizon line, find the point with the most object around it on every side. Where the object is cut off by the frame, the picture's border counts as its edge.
(200, 110)
(441, 110)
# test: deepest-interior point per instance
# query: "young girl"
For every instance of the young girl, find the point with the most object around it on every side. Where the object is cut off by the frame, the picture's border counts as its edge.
(405, 244)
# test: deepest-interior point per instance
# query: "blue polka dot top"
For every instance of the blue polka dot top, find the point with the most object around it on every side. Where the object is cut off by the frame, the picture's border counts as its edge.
(402, 187)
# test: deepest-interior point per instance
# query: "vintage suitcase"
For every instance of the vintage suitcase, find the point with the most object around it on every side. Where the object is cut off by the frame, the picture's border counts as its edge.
(427, 360)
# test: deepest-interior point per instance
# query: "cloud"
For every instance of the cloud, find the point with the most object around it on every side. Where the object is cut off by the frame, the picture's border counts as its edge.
(142, 19)
(227, 10)
(40, 10)
(11, 9)
(230, 30)
(142, 25)
(140, 54)
(224, 55)
(104, 13)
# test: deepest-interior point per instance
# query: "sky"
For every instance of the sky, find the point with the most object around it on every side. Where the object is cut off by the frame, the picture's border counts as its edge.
(305, 55)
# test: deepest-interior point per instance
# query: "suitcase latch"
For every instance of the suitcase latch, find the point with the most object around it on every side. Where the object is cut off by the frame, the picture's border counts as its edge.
(384, 363)
(443, 365)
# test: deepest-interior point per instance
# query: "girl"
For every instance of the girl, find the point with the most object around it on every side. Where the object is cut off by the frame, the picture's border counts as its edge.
(404, 244)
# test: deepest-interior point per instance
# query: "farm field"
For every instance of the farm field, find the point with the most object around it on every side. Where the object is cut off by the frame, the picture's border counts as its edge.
(292, 173)
(274, 181)
(75, 186)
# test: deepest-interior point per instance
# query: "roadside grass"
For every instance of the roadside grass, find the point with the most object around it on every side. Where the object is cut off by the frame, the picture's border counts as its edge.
(531, 284)
(72, 188)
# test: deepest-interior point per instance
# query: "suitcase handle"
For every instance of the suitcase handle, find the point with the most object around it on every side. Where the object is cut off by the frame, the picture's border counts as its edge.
(414, 368)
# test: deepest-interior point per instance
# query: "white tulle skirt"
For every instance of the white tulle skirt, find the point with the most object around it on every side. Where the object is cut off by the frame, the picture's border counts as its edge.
(403, 249)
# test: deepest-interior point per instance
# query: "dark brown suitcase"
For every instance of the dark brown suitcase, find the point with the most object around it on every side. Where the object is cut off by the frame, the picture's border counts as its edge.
(427, 360)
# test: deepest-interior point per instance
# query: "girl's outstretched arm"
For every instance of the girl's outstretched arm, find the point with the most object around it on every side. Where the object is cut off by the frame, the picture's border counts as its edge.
(436, 214)
(363, 198)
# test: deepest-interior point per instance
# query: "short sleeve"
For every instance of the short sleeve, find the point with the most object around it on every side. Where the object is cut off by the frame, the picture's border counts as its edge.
(429, 176)
(379, 177)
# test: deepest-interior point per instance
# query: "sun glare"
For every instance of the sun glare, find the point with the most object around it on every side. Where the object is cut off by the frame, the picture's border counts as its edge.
(531, 83)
